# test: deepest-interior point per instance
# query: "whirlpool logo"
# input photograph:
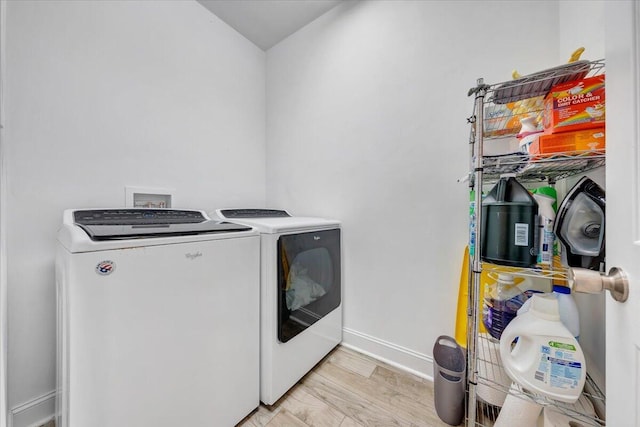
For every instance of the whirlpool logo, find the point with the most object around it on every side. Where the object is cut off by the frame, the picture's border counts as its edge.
(106, 267)
(193, 256)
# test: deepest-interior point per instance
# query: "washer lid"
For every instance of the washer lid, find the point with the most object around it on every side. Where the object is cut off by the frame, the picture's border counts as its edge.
(117, 224)
(272, 221)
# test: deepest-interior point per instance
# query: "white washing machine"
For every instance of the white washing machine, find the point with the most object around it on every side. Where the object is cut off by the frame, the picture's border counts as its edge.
(158, 320)
(300, 294)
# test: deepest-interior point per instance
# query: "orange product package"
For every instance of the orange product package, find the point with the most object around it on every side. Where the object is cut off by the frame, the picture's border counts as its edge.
(579, 104)
(573, 142)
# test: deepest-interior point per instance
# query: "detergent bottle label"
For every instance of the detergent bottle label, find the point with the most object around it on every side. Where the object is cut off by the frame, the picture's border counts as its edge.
(559, 367)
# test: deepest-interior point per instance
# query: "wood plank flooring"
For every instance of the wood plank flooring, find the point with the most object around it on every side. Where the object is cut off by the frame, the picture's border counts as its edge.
(349, 389)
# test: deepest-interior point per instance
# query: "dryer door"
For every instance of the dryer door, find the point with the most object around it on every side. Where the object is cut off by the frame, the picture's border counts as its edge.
(308, 280)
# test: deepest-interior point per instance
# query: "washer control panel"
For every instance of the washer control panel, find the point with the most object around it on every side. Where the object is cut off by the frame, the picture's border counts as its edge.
(136, 216)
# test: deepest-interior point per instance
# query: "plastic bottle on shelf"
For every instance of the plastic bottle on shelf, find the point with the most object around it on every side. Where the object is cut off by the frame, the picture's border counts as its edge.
(568, 309)
(529, 132)
(548, 191)
(504, 297)
(472, 223)
(551, 192)
(546, 217)
(509, 234)
(569, 315)
(546, 359)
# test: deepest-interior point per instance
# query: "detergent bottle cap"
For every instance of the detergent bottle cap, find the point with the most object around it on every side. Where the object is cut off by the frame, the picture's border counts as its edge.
(545, 306)
(507, 279)
(561, 289)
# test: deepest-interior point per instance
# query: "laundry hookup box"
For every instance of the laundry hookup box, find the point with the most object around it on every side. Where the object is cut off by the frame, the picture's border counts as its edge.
(575, 105)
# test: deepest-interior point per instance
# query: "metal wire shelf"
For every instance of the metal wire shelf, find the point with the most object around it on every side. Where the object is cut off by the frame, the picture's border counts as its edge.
(542, 167)
(493, 382)
(505, 104)
(539, 84)
(497, 111)
(557, 272)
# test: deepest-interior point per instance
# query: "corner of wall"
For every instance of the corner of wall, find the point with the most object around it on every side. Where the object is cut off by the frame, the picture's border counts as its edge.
(3, 204)
(395, 355)
(33, 413)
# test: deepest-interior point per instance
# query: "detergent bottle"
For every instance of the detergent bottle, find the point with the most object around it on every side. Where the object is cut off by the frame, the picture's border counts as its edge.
(546, 358)
(567, 307)
(504, 296)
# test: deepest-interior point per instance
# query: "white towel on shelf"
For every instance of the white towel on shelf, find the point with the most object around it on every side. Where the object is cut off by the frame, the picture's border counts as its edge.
(518, 410)
(554, 417)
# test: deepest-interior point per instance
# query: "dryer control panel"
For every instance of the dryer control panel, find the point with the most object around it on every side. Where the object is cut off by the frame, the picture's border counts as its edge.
(253, 213)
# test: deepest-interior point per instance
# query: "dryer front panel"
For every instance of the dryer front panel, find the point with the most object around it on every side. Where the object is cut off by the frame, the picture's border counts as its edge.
(309, 285)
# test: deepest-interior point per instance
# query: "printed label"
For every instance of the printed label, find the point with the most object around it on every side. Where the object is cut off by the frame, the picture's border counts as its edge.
(545, 257)
(472, 228)
(558, 367)
(562, 345)
(522, 234)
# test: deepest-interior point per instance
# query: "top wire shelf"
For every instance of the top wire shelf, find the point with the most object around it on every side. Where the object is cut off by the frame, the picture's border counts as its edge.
(540, 83)
(508, 102)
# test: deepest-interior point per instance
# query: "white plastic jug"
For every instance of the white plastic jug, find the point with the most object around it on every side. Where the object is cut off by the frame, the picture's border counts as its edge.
(567, 307)
(546, 358)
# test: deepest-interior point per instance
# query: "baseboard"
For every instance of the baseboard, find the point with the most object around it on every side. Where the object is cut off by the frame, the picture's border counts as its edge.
(401, 357)
(35, 412)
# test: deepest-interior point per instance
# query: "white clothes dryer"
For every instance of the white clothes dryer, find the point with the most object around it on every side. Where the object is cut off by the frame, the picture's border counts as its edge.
(158, 319)
(300, 294)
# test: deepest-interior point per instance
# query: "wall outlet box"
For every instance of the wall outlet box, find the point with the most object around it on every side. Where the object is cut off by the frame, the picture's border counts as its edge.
(149, 197)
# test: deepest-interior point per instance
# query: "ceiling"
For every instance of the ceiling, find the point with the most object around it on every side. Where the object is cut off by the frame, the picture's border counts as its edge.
(267, 22)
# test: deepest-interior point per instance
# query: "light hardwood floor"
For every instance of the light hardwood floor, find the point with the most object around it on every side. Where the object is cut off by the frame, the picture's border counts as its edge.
(348, 389)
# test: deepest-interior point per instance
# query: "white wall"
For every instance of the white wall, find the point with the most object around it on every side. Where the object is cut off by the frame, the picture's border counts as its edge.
(366, 122)
(104, 94)
(581, 24)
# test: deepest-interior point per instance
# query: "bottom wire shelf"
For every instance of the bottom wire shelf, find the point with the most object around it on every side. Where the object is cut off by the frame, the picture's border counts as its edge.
(494, 386)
